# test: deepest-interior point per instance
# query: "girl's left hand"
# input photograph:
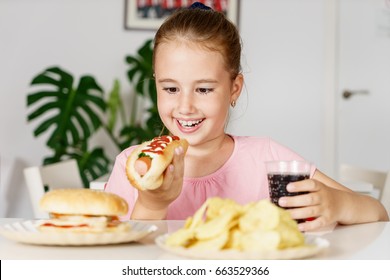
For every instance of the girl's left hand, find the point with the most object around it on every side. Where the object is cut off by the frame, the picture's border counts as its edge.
(320, 207)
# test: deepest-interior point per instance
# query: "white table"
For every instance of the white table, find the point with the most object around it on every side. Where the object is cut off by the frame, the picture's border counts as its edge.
(364, 241)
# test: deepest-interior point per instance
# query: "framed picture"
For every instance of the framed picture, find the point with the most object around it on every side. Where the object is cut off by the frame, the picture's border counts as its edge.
(149, 14)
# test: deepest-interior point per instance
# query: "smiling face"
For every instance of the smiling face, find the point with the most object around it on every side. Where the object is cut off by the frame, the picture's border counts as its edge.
(194, 91)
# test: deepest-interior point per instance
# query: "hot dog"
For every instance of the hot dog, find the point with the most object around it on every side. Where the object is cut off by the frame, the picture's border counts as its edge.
(146, 164)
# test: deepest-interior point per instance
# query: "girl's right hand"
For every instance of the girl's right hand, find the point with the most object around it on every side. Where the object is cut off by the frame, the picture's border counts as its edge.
(153, 204)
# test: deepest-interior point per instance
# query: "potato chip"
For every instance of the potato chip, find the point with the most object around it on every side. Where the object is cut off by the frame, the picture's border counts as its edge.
(262, 215)
(218, 206)
(182, 237)
(197, 219)
(223, 224)
(188, 222)
(216, 243)
(216, 226)
(235, 239)
(290, 237)
(261, 240)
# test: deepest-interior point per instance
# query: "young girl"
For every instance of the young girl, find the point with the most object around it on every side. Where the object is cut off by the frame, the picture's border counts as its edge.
(197, 72)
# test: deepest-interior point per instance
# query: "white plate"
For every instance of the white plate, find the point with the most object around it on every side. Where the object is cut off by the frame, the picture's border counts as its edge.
(314, 245)
(27, 232)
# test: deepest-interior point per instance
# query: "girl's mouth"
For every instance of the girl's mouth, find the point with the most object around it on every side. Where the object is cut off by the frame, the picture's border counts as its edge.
(190, 124)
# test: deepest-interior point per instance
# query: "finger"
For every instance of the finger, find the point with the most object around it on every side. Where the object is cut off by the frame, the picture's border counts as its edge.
(303, 186)
(304, 213)
(174, 167)
(178, 161)
(312, 225)
(301, 200)
(179, 153)
(169, 175)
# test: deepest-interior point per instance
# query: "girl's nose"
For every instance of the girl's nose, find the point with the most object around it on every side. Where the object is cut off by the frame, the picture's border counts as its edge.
(186, 104)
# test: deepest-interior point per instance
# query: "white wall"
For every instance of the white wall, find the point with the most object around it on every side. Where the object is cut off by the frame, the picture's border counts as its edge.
(283, 62)
(283, 66)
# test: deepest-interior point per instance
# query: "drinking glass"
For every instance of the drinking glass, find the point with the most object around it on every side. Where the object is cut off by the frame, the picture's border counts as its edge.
(281, 173)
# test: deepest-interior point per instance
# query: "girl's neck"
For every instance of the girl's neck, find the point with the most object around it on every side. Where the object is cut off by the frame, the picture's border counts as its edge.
(209, 157)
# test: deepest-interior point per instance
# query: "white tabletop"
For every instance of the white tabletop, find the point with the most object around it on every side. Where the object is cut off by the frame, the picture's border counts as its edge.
(364, 241)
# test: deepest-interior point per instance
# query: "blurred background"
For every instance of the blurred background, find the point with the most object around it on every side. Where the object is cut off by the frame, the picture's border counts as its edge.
(316, 77)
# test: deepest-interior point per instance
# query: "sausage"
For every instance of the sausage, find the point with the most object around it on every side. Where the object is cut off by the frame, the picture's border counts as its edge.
(142, 165)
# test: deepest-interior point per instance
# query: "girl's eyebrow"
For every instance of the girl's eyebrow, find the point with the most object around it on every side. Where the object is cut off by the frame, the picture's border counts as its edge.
(167, 80)
(207, 81)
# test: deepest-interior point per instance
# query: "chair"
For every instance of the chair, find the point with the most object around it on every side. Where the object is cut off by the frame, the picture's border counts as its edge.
(373, 182)
(59, 175)
(385, 199)
(99, 183)
(363, 179)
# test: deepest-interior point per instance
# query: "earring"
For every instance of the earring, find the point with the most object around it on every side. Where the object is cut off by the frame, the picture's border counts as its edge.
(233, 104)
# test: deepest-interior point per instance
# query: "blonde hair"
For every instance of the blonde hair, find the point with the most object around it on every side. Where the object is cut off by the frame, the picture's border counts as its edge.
(208, 28)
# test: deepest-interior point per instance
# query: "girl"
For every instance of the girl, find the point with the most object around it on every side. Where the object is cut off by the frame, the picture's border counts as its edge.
(197, 72)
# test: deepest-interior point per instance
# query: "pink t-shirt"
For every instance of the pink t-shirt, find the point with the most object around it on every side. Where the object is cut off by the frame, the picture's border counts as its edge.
(242, 178)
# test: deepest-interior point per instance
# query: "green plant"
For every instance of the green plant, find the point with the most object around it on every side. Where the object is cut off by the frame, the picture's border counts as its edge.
(71, 114)
(140, 74)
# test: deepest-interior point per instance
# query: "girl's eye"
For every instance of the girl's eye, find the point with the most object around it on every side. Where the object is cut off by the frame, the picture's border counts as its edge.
(171, 90)
(204, 90)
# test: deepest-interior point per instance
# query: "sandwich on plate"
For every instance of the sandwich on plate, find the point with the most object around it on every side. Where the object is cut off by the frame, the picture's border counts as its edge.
(83, 210)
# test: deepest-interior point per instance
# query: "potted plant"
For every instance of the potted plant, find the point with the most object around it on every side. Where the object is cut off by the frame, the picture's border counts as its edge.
(71, 112)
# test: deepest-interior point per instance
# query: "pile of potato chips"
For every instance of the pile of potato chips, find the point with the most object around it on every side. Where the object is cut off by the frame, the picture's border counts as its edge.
(222, 224)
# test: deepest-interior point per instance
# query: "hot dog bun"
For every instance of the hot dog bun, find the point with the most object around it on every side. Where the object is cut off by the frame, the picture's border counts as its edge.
(160, 150)
(84, 202)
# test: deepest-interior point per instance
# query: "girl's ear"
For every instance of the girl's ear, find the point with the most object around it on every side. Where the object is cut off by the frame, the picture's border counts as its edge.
(237, 85)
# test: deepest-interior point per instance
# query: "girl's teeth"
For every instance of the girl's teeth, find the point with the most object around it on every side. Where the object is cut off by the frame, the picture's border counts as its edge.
(190, 123)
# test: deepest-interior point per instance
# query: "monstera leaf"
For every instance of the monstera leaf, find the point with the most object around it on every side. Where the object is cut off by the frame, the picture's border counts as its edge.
(141, 71)
(70, 112)
(70, 115)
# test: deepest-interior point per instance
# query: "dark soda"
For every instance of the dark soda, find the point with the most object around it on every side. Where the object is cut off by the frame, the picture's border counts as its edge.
(278, 183)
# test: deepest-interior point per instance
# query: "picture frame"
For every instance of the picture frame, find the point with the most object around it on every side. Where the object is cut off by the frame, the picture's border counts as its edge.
(150, 14)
